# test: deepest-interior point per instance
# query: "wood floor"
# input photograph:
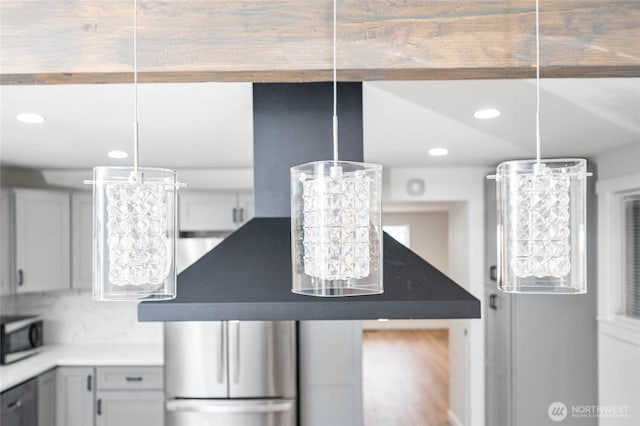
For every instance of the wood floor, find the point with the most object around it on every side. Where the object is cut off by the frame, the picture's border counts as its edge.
(406, 377)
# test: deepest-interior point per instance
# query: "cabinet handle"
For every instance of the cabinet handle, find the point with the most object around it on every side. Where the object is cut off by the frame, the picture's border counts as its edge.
(493, 273)
(133, 378)
(89, 384)
(14, 405)
(99, 407)
(20, 277)
(492, 302)
(235, 215)
(241, 215)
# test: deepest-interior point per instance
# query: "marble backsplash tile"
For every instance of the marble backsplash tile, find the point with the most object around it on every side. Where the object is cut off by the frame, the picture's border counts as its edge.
(73, 317)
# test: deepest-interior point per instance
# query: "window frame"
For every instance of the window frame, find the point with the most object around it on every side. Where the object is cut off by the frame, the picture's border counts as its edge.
(624, 198)
(612, 318)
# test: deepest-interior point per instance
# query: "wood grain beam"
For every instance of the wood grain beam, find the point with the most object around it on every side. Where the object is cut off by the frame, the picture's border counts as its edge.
(90, 41)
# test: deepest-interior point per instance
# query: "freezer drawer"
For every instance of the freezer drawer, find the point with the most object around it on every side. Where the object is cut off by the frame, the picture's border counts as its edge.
(235, 412)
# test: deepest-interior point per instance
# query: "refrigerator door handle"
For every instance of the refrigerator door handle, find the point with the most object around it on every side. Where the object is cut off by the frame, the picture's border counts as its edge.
(221, 353)
(236, 369)
(200, 406)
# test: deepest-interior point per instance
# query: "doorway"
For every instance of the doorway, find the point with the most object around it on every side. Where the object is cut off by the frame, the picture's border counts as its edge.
(406, 377)
(406, 362)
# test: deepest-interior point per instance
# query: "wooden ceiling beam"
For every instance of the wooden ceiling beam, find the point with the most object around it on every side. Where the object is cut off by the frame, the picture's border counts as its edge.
(90, 41)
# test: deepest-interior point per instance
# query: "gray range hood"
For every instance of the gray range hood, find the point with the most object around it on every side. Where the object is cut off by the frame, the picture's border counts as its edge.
(248, 275)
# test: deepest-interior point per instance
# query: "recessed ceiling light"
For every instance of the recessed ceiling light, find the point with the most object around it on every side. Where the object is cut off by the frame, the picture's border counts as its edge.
(486, 114)
(117, 154)
(438, 152)
(27, 117)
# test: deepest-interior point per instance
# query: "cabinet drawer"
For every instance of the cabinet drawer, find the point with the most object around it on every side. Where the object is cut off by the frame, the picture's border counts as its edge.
(127, 378)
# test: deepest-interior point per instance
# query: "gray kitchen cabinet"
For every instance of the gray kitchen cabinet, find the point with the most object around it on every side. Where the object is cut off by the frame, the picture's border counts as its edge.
(213, 211)
(129, 396)
(330, 380)
(6, 238)
(540, 349)
(19, 405)
(47, 398)
(81, 239)
(42, 240)
(126, 408)
(246, 206)
(75, 396)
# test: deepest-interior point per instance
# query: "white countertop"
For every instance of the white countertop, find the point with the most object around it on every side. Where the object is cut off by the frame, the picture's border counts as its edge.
(80, 355)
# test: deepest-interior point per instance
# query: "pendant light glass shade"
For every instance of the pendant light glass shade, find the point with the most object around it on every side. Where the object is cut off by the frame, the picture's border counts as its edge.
(336, 228)
(134, 233)
(541, 226)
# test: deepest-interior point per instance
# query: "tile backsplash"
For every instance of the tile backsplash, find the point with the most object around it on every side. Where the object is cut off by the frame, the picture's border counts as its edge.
(73, 317)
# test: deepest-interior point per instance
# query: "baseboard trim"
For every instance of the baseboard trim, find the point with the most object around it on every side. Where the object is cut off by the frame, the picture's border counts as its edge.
(453, 419)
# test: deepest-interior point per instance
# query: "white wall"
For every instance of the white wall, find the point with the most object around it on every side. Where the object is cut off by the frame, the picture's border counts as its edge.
(73, 317)
(618, 336)
(464, 187)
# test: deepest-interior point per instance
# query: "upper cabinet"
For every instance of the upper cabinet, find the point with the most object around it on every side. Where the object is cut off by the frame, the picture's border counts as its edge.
(81, 239)
(46, 240)
(42, 240)
(214, 211)
(6, 238)
(47, 235)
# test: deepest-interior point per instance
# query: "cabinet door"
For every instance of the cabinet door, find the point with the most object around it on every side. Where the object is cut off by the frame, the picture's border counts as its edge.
(47, 399)
(208, 211)
(6, 239)
(75, 402)
(498, 318)
(330, 354)
(134, 408)
(490, 233)
(81, 239)
(246, 207)
(42, 240)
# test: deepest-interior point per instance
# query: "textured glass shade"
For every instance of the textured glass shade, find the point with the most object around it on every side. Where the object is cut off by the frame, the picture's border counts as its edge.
(336, 228)
(541, 226)
(134, 233)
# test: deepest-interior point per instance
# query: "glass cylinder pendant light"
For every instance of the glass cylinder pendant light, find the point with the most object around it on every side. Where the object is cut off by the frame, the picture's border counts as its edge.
(541, 212)
(336, 222)
(134, 226)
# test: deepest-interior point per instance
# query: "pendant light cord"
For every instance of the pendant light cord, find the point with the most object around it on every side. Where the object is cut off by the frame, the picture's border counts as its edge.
(537, 82)
(135, 86)
(335, 85)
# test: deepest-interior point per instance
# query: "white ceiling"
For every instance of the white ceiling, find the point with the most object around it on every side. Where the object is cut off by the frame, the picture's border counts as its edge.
(209, 125)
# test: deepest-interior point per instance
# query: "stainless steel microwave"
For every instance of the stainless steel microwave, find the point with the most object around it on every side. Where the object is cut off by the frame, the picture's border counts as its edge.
(20, 337)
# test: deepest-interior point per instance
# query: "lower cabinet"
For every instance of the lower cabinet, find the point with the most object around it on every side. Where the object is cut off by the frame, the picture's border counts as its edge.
(47, 398)
(129, 396)
(110, 396)
(129, 408)
(75, 396)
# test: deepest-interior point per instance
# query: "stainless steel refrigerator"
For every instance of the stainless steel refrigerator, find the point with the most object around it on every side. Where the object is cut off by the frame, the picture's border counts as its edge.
(230, 373)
